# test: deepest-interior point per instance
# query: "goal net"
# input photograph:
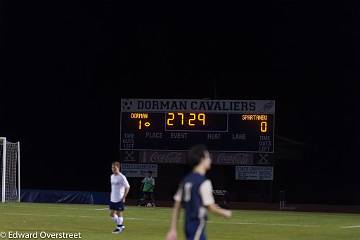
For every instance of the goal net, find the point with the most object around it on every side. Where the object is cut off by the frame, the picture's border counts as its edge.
(9, 170)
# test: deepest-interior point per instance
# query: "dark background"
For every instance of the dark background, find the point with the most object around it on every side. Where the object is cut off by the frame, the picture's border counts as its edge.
(66, 67)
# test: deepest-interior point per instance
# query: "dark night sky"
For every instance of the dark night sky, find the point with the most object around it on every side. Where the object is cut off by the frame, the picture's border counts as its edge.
(68, 65)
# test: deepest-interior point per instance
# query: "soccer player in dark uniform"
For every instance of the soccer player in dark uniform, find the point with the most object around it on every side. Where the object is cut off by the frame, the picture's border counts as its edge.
(196, 197)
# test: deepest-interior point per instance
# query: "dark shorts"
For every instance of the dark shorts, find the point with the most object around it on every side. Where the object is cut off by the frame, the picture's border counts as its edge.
(148, 195)
(117, 206)
(195, 230)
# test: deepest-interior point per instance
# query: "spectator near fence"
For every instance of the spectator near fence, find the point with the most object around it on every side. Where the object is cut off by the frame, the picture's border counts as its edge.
(148, 186)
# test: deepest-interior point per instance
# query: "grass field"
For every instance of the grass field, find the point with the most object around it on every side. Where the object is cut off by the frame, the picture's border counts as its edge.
(92, 222)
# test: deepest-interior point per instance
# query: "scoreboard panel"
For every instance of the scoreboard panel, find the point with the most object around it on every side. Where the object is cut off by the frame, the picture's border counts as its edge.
(178, 124)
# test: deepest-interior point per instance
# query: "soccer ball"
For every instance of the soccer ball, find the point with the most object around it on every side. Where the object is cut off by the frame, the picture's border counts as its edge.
(149, 205)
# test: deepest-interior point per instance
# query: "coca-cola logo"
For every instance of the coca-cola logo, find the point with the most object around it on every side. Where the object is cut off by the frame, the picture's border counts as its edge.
(167, 157)
(234, 158)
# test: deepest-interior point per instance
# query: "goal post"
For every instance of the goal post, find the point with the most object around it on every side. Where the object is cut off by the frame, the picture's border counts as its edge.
(3, 167)
(9, 170)
(18, 175)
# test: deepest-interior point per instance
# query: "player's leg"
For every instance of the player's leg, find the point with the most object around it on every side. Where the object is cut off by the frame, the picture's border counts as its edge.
(114, 217)
(203, 235)
(190, 230)
(114, 214)
(146, 198)
(195, 230)
(200, 232)
(119, 212)
(152, 199)
(143, 199)
(120, 222)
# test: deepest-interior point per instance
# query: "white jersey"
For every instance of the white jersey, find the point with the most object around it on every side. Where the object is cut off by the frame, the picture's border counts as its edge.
(118, 185)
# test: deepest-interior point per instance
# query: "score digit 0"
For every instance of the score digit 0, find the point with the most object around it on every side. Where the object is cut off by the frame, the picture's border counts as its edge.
(263, 127)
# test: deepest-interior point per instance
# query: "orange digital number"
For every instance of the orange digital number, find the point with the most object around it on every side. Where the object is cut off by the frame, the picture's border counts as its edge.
(171, 117)
(192, 119)
(263, 127)
(201, 118)
(182, 117)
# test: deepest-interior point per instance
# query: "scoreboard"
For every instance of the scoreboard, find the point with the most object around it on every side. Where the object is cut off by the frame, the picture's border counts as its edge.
(178, 124)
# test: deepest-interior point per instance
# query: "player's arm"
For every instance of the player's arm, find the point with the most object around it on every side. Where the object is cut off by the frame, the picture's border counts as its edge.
(172, 234)
(206, 192)
(214, 208)
(127, 188)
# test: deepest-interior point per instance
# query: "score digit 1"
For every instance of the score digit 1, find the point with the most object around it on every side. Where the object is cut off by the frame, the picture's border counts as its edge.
(146, 124)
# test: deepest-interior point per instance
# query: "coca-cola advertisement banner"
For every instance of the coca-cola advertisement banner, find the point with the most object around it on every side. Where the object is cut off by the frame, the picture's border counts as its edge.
(163, 157)
(179, 157)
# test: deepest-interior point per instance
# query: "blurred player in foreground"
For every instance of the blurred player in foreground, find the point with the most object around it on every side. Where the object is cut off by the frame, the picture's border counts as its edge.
(196, 197)
(119, 189)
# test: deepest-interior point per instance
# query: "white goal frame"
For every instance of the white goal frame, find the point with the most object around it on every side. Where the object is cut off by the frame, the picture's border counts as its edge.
(3, 192)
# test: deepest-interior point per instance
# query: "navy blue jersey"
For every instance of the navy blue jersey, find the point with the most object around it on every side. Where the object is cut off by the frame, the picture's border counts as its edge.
(195, 194)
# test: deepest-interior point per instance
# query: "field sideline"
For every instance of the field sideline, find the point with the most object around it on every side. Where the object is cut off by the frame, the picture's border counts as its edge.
(93, 222)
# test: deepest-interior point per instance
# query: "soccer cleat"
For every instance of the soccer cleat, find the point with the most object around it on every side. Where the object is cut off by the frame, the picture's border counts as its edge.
(117, 230)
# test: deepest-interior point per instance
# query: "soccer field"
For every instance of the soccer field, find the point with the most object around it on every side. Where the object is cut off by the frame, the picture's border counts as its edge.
(93, 222)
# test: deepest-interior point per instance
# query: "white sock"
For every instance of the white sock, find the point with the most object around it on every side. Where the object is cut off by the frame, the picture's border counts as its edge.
(115, 218)
(120, 221)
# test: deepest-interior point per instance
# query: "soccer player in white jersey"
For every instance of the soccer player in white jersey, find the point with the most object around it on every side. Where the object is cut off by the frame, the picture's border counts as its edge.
(119, 189)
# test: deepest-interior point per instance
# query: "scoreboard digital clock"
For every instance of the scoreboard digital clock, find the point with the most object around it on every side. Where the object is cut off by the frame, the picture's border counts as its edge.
(178, 124)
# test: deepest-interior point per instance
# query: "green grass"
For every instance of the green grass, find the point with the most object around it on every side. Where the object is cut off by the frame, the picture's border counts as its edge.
(152, 224)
